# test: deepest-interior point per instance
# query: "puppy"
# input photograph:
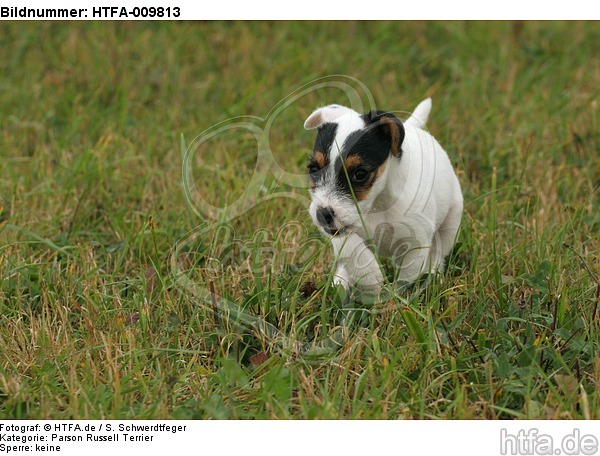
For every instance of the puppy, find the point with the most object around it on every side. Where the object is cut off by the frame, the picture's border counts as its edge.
(382, 187)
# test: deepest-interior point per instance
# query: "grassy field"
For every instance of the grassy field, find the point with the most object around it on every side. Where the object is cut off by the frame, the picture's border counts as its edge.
(109, 308)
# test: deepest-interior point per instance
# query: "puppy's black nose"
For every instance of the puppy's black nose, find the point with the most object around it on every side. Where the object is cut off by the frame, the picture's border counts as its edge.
(325, 215)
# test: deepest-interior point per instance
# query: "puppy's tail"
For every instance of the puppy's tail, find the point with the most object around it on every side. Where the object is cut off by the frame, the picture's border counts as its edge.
(420, 115)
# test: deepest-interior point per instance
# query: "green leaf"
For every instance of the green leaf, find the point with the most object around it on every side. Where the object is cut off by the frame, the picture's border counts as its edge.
(503, 366)
(216, 408)
(278, 382)
(539, 280)
(413, 326)
(527, 356)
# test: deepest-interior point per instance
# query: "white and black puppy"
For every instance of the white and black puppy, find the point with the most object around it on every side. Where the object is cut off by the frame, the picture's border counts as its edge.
(382, 187)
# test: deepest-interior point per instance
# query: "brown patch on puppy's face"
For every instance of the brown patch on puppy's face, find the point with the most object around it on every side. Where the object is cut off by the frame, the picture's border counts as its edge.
(352, 162)
(320, 159)
(362, 190)
(359, 175)
(391, 126)
(316, 166)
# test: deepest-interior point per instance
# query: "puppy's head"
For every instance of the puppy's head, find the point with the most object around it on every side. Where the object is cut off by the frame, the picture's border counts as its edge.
(349, 166)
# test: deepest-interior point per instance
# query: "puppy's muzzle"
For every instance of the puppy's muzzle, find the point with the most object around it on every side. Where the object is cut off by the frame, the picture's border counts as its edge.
(326, 218)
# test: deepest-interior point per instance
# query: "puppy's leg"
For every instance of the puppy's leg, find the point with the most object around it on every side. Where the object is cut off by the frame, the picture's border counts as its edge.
(415, 262)
(357, 264)
(408, 245)
(341, 277)
(445, 236)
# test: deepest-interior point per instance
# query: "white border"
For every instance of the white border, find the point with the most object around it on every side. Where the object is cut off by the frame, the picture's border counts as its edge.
(463, 438)
(347, 10)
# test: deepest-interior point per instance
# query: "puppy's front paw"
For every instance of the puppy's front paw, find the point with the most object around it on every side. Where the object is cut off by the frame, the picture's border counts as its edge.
(341, 277)
(357, 265)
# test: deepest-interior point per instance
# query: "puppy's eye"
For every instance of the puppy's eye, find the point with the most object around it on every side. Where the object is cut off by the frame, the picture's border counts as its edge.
(312, 169)
(360, 175)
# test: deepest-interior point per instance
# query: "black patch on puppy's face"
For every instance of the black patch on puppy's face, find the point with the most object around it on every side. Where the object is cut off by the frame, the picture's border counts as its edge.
(365, 153)
(325, 137)
(321, 153)
(389, 125)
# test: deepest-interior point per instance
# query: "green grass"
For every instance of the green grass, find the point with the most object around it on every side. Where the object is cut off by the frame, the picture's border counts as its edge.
(94, 322)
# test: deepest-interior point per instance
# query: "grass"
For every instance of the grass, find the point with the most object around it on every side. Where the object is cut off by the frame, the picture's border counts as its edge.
(96, 323)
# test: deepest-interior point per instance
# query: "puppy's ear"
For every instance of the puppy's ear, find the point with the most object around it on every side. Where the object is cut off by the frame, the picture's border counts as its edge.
(324, 115)
(389, 125)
